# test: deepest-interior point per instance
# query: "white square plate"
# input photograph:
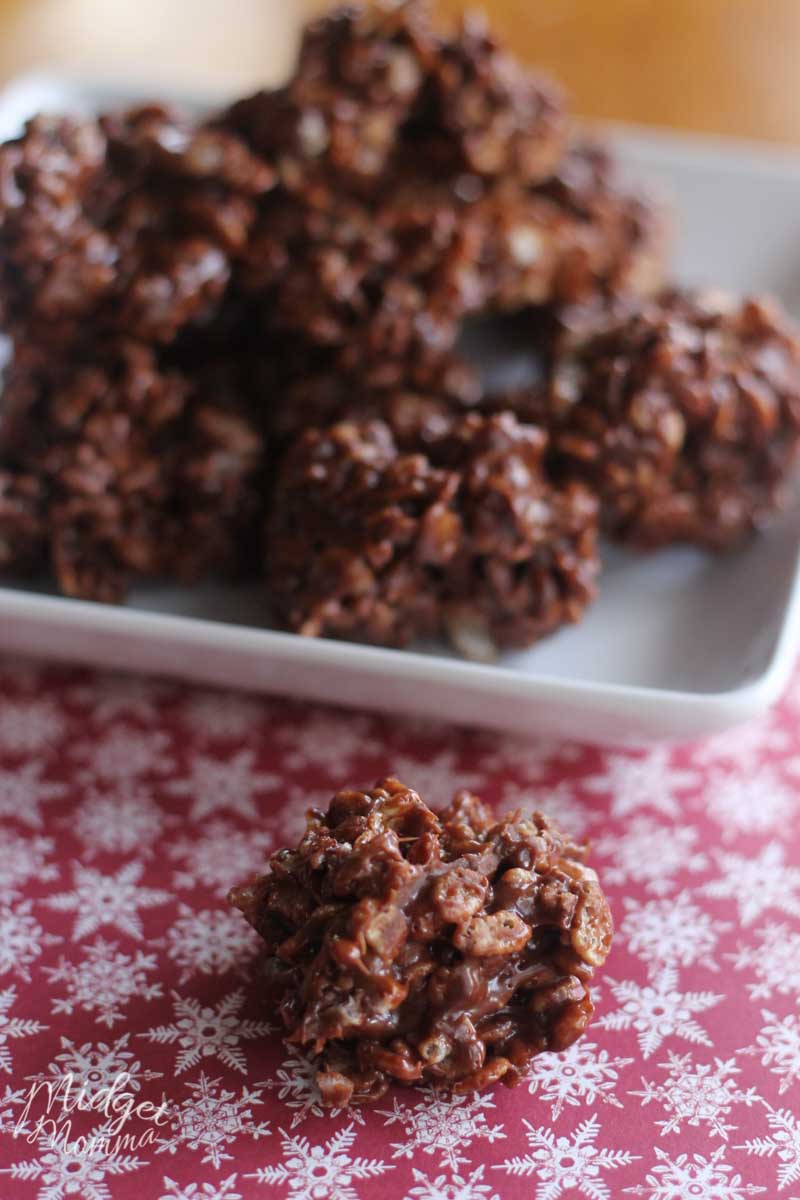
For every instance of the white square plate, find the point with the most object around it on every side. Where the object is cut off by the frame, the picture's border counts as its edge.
(679, 644)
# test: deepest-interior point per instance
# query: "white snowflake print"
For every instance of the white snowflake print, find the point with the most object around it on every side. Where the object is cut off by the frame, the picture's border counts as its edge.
(582, 1074)
(783, 1144)
(100, 899)
(773, 957)
(778, 1047)
(95, 1066)
(23, 859)
(12, 1100)
(77, 1167)
(744, 747)
(219, 857)
(223, 716)
(452, 1187)
(757, 802)
(642, 854)
(757, 882)
(693, 1176)
(104, 981)
(531, 758)
(211, 1119)
(13, 1027)
(643, 779)
(123, 753)
(326, 741)
(436, 777)
(442, 1128)
(674, 932)
(697, 1094)
(559, 803)
(296, 1085)
(211, 942)
(567, 1165)
(224, 1190)
(657, 1010)
(23, 792)
(30, 726)
(109, 696)
(320, 1172)
(229, 783)
(205, 1032)
(119, 822)
(21, 939)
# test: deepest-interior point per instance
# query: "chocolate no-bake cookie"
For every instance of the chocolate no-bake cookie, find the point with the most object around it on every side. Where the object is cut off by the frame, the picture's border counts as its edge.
(468, 537)
(414, 948)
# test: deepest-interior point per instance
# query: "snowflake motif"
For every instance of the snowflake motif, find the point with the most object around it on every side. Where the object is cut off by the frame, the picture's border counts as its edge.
(533, 759)
(698, 1177)
(582, 1074)
(23, 859)
(104, 981)
(30, 727)
(124, 754)
(107, 900)
(201, 1191)
(757, 882)
(320, 1172)
(325, 741)
(219, 857)
(223, 716)
(778, 1045)
(559, 802)
(784, 1144)
(23, 791)
(21, 939)
(453, 1187)
(229, 783)
(211, 942)
(204, 1032)
(672, 932)
(118, 822)
(110, 696)
(642, 854)
(296, 1084)
(773, 956)
(13, 1027)
(657, 1010)
(75, 1168)
(436, 778)
(744, 747)
(442, 1127)
(642, 780)
(567, 1164)
(697, 1094)
(755, 803)
(10, 1102)
(95, 1066)
(211, 1118)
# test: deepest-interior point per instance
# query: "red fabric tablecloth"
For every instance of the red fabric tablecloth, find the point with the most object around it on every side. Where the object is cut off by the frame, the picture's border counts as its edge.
(128, 807)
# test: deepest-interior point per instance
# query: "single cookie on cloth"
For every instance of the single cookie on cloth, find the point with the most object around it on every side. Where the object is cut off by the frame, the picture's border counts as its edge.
(467, 537)
(683, 415)
(409, 947)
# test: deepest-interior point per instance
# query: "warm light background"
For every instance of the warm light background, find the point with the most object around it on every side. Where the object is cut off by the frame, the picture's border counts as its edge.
(727, 66)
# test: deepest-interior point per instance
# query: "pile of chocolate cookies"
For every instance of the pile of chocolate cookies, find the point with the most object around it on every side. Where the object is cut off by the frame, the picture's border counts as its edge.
(237, 346)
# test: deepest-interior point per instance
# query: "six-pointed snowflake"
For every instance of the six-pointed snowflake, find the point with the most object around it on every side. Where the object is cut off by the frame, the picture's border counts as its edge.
(697, 1094)
(104, 981)
(778, 1047)
(201, 1031)
(693, 1176)
(223, 716)
(569, 1165)
(658, 1010)
(23, 859)
(773, 956)
(442, 1128)
(13, 1027)
(452, 1187)
(30, 726)
(218, 857)
(223, 783)
(325, 740)
(68, 1168)
(582, 1074)
(757, 882)
(783, 1143)
(119, 822)
(100, 899)
(644, 854)
(23, 792)
(108, 696)
(21, 939)
(644, 779)
(320, 1172)
(756, 803)
(674, 932)
(211, 942)
(123, 753)
(211, 1119)
(95, 1066)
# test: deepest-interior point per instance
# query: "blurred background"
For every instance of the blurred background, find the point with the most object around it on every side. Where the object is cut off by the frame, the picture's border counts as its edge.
(723, 66)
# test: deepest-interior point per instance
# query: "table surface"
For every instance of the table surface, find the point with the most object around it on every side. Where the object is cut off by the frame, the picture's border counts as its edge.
(127, 808)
